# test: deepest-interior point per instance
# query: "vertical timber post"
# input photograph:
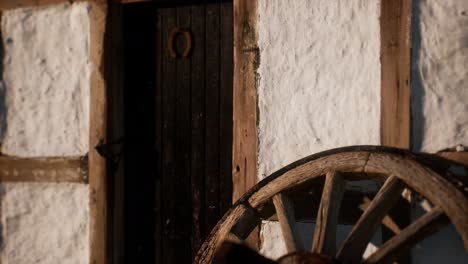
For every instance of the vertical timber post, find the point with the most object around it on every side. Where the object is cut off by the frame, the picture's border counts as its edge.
(395, 36)
(97, 135)
(246, 61)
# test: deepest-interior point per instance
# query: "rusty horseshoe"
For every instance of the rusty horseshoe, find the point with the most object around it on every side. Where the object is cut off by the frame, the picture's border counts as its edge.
(171, 41)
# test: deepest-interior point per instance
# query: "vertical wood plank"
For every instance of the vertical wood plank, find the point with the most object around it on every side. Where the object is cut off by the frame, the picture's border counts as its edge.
(182, 185)
(197, 164)
(212, 115)
(246, 60)
(395, 24)
(168, 16)
(226, 69)
(98, 122)
(158, 234)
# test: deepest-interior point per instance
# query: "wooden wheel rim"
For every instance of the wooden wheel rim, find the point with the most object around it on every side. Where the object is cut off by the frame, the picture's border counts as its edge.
(408, 167)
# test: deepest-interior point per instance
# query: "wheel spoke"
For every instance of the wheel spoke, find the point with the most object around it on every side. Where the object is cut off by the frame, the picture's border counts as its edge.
(285, 214)
(324, 241)
(425, 226)
(234, 238)
(387, 220)
(353, 247)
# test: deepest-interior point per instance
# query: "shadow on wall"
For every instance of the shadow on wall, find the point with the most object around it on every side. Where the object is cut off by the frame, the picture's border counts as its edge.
(417, 91)
(2, 93)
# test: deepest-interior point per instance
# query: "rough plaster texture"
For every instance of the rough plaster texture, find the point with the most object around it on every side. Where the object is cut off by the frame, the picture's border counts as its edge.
(44, 223)
(319, 84)
(440, 74)
(319, 78)
(46, 77)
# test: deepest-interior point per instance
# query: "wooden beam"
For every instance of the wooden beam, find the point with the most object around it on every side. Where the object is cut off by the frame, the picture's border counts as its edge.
(13, 4)
(97, 135)
(13, 169)
(246, 62)
(395, 56)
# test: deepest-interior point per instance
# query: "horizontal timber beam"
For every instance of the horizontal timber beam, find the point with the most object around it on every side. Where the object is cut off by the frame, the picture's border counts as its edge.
(14, 169)
(12, 4)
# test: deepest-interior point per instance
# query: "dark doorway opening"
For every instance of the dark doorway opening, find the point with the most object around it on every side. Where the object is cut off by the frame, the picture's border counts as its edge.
(178, 127)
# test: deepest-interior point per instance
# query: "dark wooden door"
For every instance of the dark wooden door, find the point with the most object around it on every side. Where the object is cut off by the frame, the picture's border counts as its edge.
(178, 129)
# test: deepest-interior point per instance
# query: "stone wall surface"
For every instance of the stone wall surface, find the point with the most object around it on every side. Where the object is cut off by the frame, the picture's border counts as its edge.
(44, 112)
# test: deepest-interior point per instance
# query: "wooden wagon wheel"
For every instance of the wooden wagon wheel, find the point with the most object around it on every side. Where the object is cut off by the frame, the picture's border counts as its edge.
(396, 169)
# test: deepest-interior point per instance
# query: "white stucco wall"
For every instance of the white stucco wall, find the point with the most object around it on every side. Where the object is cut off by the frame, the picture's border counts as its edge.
(319, 78)
(319, 85)
(44, 223)
(440, 74)
(44, 111)
(46, 73)
(440, 100)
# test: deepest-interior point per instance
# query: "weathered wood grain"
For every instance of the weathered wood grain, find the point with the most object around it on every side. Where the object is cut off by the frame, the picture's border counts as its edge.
(12, 4)
(246, 60)
(425, 226)
(13, 169)
(387, 221)
(98, 134)
(354, 245)
(324, 241)
(395, 56)
(244, 99)
(287, 220)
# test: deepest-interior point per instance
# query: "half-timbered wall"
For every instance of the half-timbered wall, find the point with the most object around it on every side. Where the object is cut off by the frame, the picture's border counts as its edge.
(318, 86)
(44, 112)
